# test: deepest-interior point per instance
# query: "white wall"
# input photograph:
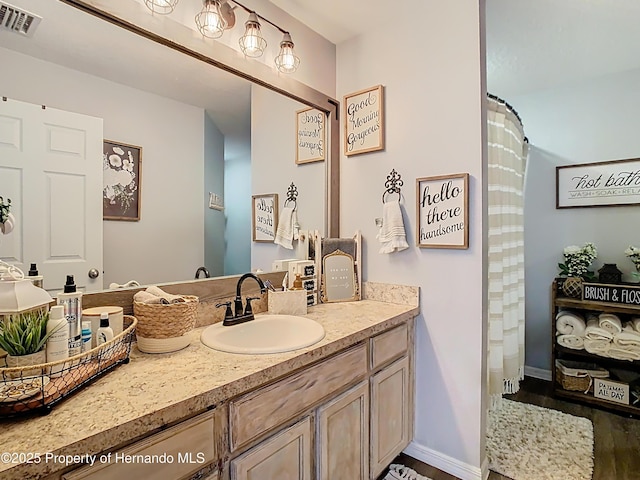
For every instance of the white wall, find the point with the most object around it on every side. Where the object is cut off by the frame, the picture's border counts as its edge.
(167, 243)
(590, 122)
(430, 59)
(273, 168)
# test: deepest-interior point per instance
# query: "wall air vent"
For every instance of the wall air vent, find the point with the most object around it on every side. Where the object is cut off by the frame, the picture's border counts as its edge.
(17, 20)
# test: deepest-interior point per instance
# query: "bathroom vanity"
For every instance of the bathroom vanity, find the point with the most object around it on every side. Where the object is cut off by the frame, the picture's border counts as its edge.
(342, 408)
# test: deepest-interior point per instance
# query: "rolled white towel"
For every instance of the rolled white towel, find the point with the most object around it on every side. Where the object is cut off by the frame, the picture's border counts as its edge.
(574, 342)
(594, 332)
(145, 297)
(161, 296)
(628, 337)
(569, 323)
(626, 353)
(610, 322)
(597, 347)
(635, 321)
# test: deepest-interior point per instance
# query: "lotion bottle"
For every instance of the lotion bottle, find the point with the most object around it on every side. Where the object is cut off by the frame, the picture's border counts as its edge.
(58, 342)
(71, 299)
(104, 333)
(35, 278)
(86, 336)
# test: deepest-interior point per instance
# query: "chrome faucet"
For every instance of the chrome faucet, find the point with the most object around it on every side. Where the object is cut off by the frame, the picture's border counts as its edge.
(241, 315)
(202, 270)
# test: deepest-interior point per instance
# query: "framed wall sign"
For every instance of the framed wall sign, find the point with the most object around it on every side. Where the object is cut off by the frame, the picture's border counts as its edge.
(310, 135)
(264, 216)
(364, 121)
(122, 165)
(443, 211)
(600, 184)
(339, 282)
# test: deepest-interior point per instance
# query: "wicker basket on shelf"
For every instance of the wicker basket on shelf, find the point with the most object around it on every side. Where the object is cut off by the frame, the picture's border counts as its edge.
(163, 327)
(578, 376)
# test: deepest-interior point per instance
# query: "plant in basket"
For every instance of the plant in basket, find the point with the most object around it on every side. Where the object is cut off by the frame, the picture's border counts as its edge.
(577, 261)
(25, 334)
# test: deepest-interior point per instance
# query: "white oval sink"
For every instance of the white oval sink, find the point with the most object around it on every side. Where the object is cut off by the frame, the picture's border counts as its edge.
(265, 334)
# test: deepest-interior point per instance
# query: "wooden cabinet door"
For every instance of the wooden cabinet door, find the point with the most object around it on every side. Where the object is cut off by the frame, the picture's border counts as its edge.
(343, 436)
(390, 414)
(286, 455)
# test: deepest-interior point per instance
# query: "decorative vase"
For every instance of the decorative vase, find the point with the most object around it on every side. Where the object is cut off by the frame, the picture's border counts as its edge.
(37, 358)
(609, 273)
(7, 226)
(572, 287)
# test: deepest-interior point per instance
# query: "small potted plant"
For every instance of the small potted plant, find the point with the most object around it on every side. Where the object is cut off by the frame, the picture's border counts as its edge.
(634, 254)
(7, 219)
(24, 336)
(575, 268)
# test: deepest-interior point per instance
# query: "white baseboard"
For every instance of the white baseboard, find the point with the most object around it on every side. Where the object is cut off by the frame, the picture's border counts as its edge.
(540, 373)
(446, 463)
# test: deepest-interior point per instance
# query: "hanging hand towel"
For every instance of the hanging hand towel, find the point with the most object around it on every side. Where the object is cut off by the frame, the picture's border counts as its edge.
(287, 228)
(392, 235)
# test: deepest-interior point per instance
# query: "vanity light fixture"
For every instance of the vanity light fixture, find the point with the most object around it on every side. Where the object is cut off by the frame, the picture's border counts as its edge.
(210, 21)
(287, 61)
(217, 16)
(252, 43)
(162, 7)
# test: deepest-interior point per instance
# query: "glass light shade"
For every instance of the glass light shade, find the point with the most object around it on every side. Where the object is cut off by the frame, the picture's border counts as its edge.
(162, 7)
(252, 43)
(210, 20)
(287, 61)
(17, 296)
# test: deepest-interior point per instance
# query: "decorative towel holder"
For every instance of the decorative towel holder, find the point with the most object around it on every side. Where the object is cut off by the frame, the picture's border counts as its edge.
(292, 196)
(393, 184)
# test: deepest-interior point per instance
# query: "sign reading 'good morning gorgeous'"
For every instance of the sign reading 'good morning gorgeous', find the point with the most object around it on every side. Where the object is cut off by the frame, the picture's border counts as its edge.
(310, 133)
(363, 121)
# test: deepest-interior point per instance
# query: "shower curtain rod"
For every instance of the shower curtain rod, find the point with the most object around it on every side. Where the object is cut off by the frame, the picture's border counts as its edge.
(506, 104)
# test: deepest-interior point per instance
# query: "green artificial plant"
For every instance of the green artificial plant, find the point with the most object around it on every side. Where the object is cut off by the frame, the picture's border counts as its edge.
(4, 209)
(24, 333)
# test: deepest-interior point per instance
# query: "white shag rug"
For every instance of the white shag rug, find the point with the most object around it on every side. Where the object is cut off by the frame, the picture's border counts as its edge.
(400, 472)
(527, 442)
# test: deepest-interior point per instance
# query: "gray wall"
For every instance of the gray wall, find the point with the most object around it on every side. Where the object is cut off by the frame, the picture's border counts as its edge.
(589, 122)
(237, 204)
(214, 223)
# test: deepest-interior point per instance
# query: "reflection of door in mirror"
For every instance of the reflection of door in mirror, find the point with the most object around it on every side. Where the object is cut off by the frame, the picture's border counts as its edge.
(50, 163)
(192, 120)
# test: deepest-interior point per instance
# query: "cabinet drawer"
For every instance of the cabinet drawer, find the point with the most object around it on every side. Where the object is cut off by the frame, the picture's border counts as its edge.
(389, 345)
(258, 412)
(190, 445)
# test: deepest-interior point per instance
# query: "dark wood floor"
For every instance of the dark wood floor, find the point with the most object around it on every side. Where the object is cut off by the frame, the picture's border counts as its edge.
(616, 437)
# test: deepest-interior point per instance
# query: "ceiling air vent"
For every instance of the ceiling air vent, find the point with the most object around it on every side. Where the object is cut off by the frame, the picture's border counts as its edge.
(17, 20)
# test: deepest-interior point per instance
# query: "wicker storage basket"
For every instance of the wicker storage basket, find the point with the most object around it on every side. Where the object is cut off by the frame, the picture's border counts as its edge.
(159, 320)
(578, 376)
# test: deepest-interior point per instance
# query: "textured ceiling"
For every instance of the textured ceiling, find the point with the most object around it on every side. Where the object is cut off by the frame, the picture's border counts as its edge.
(539, 44)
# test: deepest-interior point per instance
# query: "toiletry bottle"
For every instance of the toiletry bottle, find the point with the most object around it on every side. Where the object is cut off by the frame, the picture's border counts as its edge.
(86, 336)
(72, 302)
(34, 277)
(297, 283)
(104, 333)
(58, 342)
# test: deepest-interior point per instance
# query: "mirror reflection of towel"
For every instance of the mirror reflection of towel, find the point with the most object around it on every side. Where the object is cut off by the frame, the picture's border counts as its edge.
(286, 231)
(392, 235)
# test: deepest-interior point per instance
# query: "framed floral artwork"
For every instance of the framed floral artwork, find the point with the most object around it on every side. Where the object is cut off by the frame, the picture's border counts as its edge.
(121, 168)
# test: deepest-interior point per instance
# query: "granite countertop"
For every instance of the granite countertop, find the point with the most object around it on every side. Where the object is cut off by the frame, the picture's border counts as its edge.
(155, 390)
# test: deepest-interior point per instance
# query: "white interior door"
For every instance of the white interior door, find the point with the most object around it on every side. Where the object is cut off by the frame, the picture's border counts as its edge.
(51, 169)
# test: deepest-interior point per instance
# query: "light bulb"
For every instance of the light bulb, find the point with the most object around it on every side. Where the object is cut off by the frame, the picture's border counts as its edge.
(287, 61)
(210, 21)
(252, 43)
(162, 7)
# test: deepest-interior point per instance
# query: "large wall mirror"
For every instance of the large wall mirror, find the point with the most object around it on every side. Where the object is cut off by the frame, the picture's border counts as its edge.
(201, 130)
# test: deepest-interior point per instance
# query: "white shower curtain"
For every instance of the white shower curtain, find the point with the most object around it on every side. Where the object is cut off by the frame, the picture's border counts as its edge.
(507, 151)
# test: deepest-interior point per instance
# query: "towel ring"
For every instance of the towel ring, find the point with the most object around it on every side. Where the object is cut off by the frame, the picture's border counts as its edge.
(392, 185)
(292, 196)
